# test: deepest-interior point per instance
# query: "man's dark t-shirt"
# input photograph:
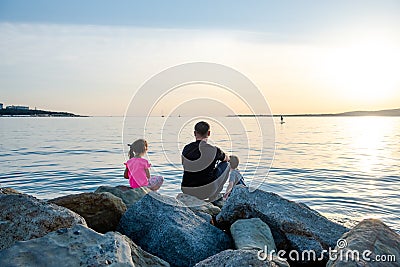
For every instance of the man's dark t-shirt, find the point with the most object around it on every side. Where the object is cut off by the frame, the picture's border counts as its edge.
(205, 175)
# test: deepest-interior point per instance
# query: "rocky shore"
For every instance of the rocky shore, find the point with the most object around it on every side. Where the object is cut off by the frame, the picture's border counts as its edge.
(120, 226)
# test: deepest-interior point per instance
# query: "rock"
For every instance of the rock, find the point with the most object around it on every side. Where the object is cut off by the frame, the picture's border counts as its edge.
(198, 205)
(23, 217)
(304, 244)
(369, 235)
(8, 191)
(168, 229)
(219, 202)
(102, 211)
(234, 258)
(143, 258)
(128, 195)
(252, 234)
(78, 246)
(290, 222)
(205, 216)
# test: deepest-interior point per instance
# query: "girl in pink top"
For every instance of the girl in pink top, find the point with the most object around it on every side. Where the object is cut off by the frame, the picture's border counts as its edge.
(137, 168)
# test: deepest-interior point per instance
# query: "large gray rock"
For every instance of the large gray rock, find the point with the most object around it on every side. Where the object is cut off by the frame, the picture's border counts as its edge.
(293, 225)
(23, 217)
(198, 205)
(165, 227)
(252, 234)
(235, 258)
(78, 246)
(128, 195)
(102, 211)
(369, 235)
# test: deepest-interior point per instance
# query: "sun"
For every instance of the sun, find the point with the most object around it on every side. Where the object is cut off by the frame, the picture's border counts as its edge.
(365, 71)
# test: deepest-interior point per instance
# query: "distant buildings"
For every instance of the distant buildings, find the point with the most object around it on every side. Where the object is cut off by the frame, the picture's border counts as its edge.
(12, 107)
(17, 107)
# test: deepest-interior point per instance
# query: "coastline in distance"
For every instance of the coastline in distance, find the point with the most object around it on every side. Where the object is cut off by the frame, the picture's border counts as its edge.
(386, 112)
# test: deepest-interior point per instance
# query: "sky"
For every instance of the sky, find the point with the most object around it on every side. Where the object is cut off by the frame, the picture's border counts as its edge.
(91, 57)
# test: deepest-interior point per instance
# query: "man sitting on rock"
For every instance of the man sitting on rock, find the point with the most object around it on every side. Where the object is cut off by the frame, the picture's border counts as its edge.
(201, 177)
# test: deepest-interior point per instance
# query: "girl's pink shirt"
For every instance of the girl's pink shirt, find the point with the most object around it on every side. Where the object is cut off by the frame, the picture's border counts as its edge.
(136, 172)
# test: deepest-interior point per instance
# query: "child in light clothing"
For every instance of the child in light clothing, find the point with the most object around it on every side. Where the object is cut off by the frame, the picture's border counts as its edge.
(235, 178)
(137, 168)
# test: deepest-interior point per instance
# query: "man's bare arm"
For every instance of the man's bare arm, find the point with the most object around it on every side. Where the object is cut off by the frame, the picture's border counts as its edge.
(226, 158)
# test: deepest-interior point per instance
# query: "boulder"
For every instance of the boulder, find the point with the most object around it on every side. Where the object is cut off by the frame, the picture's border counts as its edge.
(78, 246)
(290, 223)
(233, 258)
(219, 202)
(374, 242)
(198, 205)
(205, 216)
(128, 195)
(252, 234)
(102, 211)
(23, 217)
(168, 229)
(8, 191)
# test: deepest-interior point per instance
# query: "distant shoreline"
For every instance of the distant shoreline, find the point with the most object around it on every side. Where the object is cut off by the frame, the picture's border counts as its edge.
(35, 113)
(382, 113)
(45, 113)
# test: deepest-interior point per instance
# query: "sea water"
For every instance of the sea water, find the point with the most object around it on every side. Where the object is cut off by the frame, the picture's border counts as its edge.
(346, 168)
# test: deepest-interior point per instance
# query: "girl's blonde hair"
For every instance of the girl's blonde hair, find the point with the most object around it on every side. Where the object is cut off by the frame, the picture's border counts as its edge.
(136, 148)
(234, 161)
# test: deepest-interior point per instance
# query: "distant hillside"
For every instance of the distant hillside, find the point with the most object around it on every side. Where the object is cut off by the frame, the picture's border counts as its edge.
(386, 112)
(35, 113)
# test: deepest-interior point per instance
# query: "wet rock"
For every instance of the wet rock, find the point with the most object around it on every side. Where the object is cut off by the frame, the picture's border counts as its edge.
(198, 205)
(102, 211)
(65, 248)
(168, 229)
(234, 258)
(370, 237)
(128, 195)
(23, 217)
(290, 223)
(252, 234)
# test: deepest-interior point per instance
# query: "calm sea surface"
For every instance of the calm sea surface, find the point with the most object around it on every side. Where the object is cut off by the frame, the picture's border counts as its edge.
(346, 168)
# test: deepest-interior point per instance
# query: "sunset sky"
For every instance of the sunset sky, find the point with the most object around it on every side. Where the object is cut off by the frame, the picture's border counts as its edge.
(89, 57)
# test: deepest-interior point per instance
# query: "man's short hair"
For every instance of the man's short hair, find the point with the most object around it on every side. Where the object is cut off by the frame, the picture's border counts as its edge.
(202, 128)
